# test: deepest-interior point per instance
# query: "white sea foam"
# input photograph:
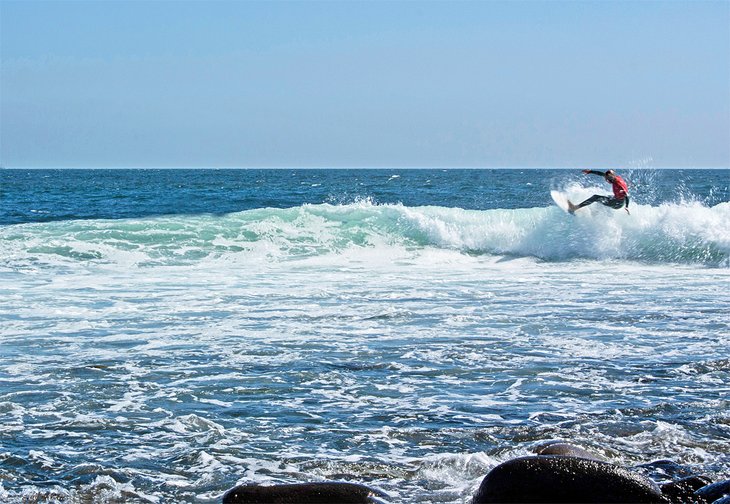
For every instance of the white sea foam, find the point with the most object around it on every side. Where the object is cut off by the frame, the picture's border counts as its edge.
(412, 348)
(674, 233)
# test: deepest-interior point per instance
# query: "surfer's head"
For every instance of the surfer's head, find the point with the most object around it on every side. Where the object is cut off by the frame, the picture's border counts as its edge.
(610, 175)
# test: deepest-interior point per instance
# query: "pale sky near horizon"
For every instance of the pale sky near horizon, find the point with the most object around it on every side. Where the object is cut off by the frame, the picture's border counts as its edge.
(364, 84)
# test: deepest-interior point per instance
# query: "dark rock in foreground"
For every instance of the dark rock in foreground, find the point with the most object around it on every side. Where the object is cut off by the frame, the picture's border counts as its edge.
(559, 473)
(566, 480)
(567, 450)
(714, 492)
(303, 493)
(683, 490)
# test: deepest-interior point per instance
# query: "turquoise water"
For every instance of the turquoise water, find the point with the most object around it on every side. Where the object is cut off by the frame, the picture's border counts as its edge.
(166, 335)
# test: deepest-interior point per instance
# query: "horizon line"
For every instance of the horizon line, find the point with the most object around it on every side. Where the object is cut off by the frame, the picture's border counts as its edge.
(226, 167)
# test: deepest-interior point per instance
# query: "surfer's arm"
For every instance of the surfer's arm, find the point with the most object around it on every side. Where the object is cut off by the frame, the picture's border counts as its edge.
(594, 172)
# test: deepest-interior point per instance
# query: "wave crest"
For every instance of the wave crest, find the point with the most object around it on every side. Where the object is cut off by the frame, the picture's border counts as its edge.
(670, 233)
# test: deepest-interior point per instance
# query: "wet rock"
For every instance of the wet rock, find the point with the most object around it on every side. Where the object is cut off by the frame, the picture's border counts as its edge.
(550, 478)
(715, 491)
(683, 490)
(303, 493)
(567, 450)
(723, 500)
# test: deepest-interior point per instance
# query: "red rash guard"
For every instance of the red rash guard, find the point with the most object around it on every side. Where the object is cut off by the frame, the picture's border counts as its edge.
(620, 189)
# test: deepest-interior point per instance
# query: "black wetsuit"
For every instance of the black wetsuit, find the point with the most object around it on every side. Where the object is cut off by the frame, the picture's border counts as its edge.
(620, 193)
(606, 200)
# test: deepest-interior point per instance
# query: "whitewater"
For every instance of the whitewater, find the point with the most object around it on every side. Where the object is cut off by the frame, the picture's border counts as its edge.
(669, 233)
(342, 326)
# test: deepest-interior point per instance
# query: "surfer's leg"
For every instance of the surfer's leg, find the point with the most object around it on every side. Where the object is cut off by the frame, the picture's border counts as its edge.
(614, 203)
(593, 199)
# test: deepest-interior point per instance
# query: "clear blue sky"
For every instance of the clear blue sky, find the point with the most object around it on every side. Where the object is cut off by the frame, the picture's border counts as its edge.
(365, 84)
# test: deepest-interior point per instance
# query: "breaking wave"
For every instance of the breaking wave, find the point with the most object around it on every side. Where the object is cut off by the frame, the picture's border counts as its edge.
(687, 233)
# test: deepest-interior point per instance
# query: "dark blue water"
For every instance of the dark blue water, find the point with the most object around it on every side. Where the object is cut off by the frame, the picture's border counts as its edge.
(50, 195)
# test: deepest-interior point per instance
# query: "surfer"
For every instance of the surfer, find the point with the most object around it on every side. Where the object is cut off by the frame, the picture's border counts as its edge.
(620, 193)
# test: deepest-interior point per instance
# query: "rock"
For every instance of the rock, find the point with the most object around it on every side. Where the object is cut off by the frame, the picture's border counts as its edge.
(683, 490)
(568, 450)
(715, 491)
(550, 478)
(723, 500)
(303, 493)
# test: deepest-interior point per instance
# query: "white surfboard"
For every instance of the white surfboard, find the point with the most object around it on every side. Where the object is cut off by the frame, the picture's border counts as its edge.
(561, 199)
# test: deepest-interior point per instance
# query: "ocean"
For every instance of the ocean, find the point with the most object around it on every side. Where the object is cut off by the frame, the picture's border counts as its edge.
(168, 334)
